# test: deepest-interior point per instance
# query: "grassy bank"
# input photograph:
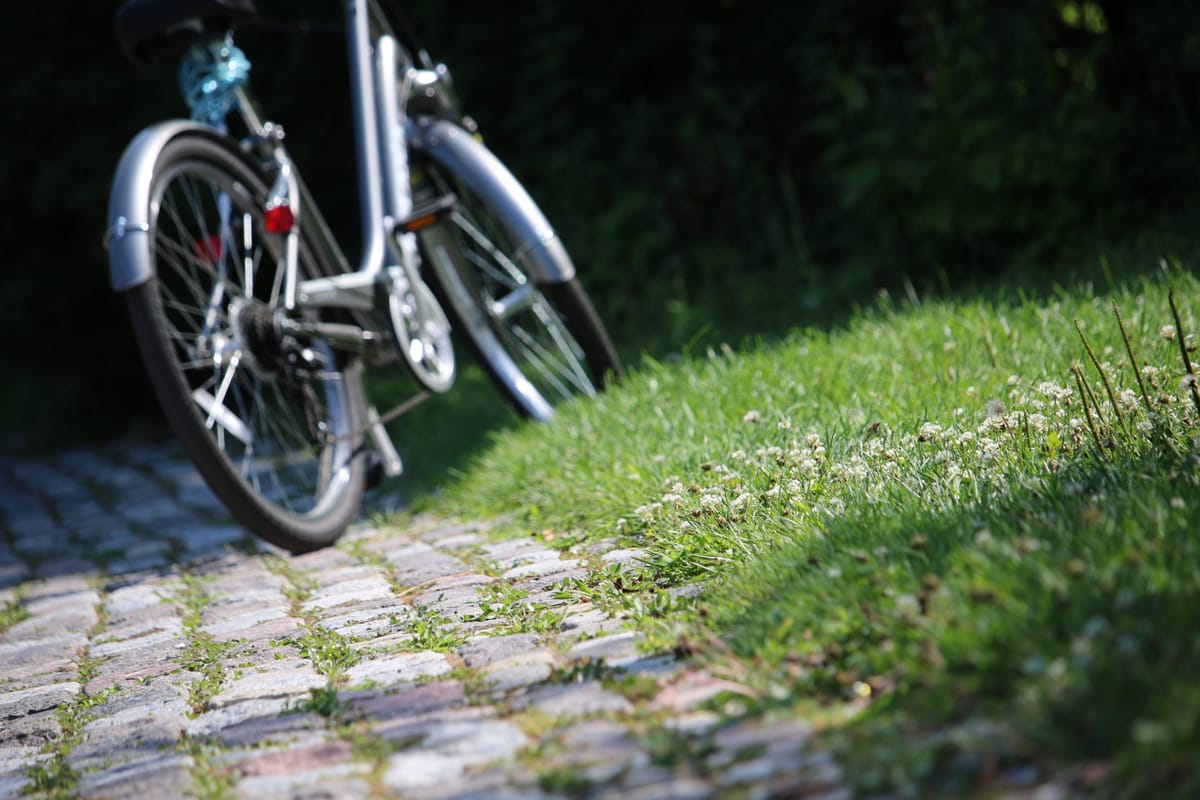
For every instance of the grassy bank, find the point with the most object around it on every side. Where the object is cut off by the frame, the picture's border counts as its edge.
(958, 534)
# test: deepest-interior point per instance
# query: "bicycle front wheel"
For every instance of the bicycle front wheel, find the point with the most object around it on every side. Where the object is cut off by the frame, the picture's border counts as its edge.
(272, 424)
(541, 342)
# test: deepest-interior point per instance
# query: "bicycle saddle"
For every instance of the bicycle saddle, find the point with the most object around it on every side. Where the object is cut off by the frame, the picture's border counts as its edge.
(149, 30)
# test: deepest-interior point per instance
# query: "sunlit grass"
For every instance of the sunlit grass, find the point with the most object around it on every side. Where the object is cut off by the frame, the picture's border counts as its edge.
(947, 515)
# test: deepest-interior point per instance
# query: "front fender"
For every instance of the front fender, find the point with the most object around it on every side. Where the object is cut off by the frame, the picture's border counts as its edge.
(129, 252)
(463, 155)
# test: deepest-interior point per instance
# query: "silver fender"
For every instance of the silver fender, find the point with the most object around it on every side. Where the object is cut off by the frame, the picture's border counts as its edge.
(129, 256)
(461, 153)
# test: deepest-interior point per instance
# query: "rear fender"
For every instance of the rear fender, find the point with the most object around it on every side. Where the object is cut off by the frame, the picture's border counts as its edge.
(130, 257)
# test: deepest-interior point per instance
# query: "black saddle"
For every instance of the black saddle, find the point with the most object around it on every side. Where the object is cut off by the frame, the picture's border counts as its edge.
(150, 30)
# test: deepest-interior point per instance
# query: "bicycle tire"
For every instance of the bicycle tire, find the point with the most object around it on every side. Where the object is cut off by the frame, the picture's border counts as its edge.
(279, 446)
(553, 346)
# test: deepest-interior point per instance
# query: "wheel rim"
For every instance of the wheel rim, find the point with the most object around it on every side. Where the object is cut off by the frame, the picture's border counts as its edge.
(515, 327)
(284, 431)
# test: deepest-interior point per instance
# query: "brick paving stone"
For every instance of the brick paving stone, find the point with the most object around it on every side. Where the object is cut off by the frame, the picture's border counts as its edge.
(16, 759)
(201, 538)
(158, 775)
(373, 626)
(424, 568)
(593, 622)
(574, 700)
(392, 669)
(158, 636)
(517, 673)
(449, 748)
(28, 714)
(14, 573)
(334, 783)
(215, 721)
(696, 723)
(288, 678)
(252, 624)
(615, 649)
(485, 650)
(516, 552)
(541, 569)
(664, 788)
(324, 560)
(12, 784)
(409, 701)
(602, 749)
(304, 759)
(282, 727)
(42, 654)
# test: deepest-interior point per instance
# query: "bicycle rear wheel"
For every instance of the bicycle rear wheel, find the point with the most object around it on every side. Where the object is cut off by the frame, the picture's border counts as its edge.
(542, 343)
(273, 425)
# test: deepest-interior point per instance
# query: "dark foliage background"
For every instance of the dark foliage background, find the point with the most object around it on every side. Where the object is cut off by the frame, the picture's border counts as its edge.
(718, 166)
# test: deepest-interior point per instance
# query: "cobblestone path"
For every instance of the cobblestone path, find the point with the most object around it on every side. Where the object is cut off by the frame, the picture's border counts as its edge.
(151, 648)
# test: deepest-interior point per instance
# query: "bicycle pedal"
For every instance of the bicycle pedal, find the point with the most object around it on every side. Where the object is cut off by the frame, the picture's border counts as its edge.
(427, 214)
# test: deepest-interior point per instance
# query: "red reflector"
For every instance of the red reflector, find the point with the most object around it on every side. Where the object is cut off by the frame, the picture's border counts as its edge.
(279, 219)
(208, 248)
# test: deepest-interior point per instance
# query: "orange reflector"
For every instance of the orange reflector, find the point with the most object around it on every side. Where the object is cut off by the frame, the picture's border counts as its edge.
(420, 222)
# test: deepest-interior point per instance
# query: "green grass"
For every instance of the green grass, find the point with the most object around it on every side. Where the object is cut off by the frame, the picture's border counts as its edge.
(945, 515)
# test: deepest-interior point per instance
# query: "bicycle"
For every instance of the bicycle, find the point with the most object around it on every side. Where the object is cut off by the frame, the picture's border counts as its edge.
(255, 329)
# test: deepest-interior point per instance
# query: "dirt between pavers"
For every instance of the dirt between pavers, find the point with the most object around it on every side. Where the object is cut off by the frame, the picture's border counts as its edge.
(144, 663)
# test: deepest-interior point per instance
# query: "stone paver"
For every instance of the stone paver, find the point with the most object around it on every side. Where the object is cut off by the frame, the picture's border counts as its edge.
(160, 650)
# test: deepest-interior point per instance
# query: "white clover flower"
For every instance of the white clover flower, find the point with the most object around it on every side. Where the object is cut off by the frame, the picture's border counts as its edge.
(1187, 382)
(813, 441)
(751, 416)
(1144, 426)
(908, 607)
(1054, 391)
(671, 499)
(648, 511)
(833, 506)
(737, 455)
(772, 493)
(784, 425)
(1167, 332)
(808, 466)
(928, 432)
(709, 502)
(1037, 422)
(794, 487)
(741, 502)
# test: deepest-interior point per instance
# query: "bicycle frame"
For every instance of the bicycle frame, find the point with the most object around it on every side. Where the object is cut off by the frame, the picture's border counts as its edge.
(381, 72)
